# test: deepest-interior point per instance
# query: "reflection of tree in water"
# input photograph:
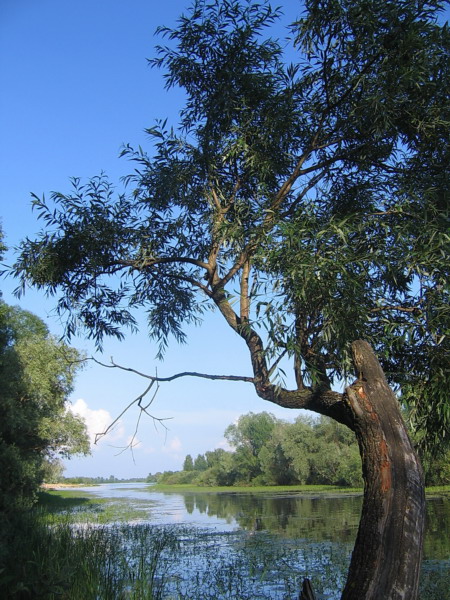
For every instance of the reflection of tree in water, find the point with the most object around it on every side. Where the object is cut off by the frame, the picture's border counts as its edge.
(189, 503)
(286, 536)
(318, 519)
(315, 518)
(437, 529)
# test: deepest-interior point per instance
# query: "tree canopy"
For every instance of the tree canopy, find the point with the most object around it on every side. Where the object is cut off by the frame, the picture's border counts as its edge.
(303, 195)
(269, 451)
(36, 427)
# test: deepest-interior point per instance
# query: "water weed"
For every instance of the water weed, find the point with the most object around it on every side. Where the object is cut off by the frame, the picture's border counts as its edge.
(74, 548)
(56, 506)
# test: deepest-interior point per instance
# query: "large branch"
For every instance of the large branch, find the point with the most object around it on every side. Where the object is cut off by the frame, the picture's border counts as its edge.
(153, 261)
(325, 402)
(156, 378)
(321, 399)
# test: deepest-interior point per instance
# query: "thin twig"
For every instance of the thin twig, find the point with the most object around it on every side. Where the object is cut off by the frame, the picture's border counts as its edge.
(137, 400)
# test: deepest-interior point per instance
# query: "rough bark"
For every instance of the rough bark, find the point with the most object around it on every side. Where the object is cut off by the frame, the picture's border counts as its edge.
(388, 550)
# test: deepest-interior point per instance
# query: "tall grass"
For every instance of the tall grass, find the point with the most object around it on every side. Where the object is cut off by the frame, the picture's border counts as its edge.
(85, 562)
(141, 562)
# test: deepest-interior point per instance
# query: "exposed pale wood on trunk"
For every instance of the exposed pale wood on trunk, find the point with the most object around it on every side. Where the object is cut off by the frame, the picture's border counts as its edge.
(388, 551)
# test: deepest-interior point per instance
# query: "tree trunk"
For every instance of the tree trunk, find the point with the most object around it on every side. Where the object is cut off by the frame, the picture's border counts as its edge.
(386, 559)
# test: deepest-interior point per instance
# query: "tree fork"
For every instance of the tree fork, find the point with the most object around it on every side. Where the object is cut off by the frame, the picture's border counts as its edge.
(388, 550)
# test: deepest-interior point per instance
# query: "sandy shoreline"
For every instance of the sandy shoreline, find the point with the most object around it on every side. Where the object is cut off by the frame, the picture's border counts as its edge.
(58, 486)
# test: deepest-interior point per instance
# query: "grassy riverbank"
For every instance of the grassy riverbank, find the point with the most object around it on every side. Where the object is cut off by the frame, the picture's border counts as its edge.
(293, 489)
(56, 505)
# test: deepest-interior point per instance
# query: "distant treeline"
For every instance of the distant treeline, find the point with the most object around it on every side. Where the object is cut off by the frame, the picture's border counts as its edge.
(95, 480)
(269, 451)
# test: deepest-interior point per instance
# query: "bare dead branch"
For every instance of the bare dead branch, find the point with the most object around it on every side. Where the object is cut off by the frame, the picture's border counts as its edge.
(137, 401)
(156, 378)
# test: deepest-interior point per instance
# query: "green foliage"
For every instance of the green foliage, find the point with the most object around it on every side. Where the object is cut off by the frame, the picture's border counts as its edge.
(2, 245)
(315, 192)
(269, 451)
(52, 471)
(248, 436)
(214, 457)
(177, 477)
(437, 469)
(251, 431)
(36, 378)
(276, 465)
(200, 463)
(188, 464)
(222, 472)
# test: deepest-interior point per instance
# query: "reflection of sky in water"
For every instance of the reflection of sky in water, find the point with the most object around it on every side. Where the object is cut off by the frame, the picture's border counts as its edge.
(164, 509)
(280, 537)
(291, 515)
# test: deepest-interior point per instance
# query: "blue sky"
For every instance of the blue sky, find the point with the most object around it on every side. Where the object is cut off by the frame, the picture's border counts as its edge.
(75, 88)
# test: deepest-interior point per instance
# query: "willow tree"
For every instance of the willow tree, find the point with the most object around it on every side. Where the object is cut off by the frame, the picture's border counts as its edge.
(302, 195)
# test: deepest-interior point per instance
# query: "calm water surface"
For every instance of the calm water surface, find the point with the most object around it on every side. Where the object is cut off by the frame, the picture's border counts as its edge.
(317, 526)
(318, 517)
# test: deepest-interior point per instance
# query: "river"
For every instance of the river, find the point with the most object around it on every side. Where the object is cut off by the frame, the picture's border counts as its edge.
(308, 533)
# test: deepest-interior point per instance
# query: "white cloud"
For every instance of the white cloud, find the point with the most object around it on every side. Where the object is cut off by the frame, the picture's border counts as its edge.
(172, 448)
(97, 421)
(225, 445)
(204, 417)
